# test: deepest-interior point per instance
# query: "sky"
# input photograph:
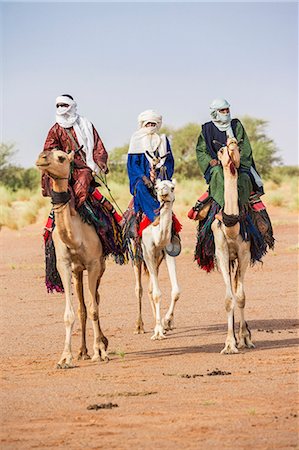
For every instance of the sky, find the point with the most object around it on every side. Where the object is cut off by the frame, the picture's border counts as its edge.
(118, 59)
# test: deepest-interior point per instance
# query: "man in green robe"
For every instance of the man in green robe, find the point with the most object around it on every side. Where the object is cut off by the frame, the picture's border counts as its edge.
(212, 137)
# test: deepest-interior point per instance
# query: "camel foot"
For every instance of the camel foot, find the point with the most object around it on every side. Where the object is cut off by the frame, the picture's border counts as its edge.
(139, 329)
(229, 350)
(83, 355)
(159, 333)
(168, 324)
(100, 355)
(245, 343)
(65, 363)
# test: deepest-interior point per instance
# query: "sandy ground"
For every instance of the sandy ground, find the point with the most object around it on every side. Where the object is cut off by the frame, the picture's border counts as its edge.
(179, 393)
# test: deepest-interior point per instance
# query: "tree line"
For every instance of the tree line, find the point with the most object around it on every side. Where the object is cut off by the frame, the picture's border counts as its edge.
(183, 144)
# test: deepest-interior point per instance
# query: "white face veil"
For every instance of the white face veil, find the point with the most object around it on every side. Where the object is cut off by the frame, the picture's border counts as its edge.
(66, 116)
(146, 139)
(221, 120)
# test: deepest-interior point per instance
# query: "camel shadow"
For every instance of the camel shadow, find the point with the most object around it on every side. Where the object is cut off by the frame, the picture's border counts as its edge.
(209, 348)
(268, 326)
(256, 326)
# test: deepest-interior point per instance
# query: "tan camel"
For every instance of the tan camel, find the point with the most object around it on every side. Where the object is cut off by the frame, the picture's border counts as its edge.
(154, 241)
(232, 252)
(77, 248)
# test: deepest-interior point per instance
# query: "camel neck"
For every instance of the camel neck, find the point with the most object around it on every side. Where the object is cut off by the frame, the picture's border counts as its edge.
(230, 192)
(60, 185)
(64, 221)
(165, 223)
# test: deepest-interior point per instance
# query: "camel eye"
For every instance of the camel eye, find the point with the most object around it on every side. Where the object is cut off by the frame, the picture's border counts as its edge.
(61, 159)
(172, 189)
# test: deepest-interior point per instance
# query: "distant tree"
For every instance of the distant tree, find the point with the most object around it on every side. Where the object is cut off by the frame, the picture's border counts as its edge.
(118, 164)
(264, 149)
(15, 177)
(183, 144)
(7, 151)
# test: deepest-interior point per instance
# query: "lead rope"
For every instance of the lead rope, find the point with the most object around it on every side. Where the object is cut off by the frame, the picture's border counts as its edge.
(103, 179)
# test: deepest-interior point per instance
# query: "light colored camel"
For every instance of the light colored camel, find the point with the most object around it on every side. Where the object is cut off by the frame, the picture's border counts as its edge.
(154, 241)
(77, 248)
(232, 252)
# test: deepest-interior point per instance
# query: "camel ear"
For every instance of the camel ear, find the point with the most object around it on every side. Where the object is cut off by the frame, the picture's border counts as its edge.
(173, 181)
(71, 156)
(158, 181)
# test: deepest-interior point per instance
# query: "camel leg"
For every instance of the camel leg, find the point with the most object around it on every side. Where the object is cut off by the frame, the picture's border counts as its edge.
(82, 314)
(100, 343)
(168, 321)
(244, 331)
(152, 266)
(150, 297)
(222, 256)
(138, 291)
(159, 332)
(65, 272)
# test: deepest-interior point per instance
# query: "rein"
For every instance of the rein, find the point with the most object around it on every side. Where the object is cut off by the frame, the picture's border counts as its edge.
(161, 206)
(103, 180)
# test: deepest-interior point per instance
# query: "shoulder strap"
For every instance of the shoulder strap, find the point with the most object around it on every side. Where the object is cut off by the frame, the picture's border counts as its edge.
(72, 138)
(78, 150)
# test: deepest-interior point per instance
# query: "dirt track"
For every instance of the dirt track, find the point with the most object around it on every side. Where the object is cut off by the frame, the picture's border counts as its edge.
(170, 394)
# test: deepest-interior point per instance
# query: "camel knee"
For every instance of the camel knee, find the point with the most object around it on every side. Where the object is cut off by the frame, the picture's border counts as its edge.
(175, 294)
(93, 314)
(69, 318)
(157, 296)
(229, 304)
(241, 302)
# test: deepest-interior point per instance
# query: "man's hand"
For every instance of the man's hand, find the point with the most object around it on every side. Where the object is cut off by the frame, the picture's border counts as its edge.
(147, 182)
(214, 162)
(103, 167)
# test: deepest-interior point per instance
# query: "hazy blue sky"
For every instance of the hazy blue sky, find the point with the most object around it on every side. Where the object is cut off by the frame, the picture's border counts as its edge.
(118, 59)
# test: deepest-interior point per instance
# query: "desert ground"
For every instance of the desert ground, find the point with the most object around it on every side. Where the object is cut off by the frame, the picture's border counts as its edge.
(178, 393)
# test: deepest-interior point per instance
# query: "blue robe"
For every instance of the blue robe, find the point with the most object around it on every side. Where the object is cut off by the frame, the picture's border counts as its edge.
(138, 166)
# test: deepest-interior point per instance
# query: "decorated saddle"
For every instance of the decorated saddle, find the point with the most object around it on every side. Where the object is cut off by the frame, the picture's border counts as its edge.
(255, 227)
(96, 213)
(133, 225)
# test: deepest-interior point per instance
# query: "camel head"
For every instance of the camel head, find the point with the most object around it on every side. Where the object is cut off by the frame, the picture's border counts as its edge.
(55, 163)
(229, 156)
(165, 190)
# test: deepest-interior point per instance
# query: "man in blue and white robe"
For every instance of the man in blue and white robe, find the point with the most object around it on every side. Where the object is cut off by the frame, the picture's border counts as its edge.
(145, 144)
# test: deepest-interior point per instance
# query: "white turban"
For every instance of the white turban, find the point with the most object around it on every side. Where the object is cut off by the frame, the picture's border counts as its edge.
(149, 116)
(218, 103)
(220, 120)
(66, 116)
(146, 139)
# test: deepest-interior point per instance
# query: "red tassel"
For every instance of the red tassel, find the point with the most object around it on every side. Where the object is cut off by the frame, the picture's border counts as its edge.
(117, 217)
(97, 195)
(177, 225)
(145, 222)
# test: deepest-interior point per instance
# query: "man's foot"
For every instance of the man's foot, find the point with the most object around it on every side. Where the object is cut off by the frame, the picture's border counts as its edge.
(156, 221)
(218, 216)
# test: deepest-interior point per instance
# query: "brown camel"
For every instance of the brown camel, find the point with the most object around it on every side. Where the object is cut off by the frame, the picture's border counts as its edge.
(77, 248)
(232, 252)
